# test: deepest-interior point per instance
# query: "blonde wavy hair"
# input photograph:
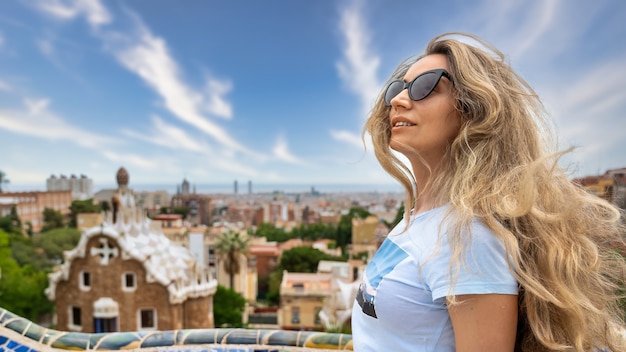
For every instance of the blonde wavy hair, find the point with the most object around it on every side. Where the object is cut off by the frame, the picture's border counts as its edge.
(502, 169)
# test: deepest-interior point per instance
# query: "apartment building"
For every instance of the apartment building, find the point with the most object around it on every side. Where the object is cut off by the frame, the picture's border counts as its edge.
(30, 205)
(81, 187)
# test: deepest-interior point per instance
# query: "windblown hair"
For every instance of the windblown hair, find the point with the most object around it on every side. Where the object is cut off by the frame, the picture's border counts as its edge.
(502, 169)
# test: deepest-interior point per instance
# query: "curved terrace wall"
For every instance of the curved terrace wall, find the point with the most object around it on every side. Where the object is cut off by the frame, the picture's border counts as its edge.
(21, 335)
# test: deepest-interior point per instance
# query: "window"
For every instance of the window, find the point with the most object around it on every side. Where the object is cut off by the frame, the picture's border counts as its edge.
(318, 321)
(298, 286)
(295, 315)
(147, 319)
(85, 281)
(75, 321)
(129, 281)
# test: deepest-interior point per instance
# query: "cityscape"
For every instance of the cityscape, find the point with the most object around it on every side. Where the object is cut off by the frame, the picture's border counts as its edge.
(183, 232)
(195, 178)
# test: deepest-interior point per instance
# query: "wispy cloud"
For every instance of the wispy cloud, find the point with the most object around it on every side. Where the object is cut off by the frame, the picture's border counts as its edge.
(131, 159)
(214, 103)
(36, 120)
(169, 136)
(281, 152)
(348, 137)
(4, 86)
(359, 65)
(148, 56)
(358, 68)
(543, 16)
(93, 11)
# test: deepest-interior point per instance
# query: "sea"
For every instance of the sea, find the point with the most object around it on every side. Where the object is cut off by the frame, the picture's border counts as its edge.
(242, 188)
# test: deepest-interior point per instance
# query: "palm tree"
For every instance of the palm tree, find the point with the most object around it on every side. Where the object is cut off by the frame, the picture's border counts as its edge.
(230, 246)
(3, 179)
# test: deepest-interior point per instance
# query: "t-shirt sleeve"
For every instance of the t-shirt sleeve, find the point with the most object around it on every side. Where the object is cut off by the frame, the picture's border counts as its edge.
(483, 270)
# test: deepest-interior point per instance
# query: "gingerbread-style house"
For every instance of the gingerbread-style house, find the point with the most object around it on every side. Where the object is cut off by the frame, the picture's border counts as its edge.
(125, 275)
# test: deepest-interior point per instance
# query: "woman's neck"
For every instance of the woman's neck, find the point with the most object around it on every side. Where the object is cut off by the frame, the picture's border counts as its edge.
(425, 198)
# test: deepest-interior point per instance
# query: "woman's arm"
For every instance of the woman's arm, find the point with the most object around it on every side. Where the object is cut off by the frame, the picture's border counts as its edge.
(484, 323)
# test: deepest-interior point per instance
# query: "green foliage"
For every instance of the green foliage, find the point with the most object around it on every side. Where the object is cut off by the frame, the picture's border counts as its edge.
(105, 206)
(182, 210)
(272, 233)
(315, 232)
(303, 259)
(52, 219)
(21, 287)
(82, 206)
(3, 179)
(55, 242)
(310, 232)
(228, 307)
(11, 223)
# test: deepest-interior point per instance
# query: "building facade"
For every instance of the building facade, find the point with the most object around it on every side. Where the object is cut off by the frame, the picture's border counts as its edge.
(81, 187)
(126, 276)
(30, 205)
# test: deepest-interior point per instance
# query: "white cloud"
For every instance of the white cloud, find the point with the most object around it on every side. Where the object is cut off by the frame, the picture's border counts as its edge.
(36, 107)
(131, 160)
(169, 136)
(348, 137)
(147, 56)
(543, 17)
(5, 87)
(359, 65)
(215, 103)
(95, 13)
(281, 152)
(46, 47)
(37, 121)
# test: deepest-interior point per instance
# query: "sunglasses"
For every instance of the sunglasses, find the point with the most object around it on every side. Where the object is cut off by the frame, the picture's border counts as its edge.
(419, 88)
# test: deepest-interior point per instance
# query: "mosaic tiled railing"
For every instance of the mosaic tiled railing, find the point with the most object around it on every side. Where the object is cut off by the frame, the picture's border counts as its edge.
(21, 335)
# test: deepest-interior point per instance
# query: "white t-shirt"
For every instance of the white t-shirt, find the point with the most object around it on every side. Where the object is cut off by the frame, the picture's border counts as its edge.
(401, 306)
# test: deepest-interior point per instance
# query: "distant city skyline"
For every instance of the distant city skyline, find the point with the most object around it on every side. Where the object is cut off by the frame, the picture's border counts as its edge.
(273, 92)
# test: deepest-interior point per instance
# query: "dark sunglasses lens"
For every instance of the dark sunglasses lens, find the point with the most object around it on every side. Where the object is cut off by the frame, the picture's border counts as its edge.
(394, 89)
(423, 85)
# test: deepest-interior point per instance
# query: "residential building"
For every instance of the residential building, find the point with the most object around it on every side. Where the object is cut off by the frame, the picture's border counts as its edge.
(81, 187)
(30, 205)
(302, 298)
(199, 207)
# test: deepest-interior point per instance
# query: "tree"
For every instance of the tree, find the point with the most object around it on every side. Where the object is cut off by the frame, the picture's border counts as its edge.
(230, 246)
(182, 210)
(3, 179)
(52, 219)
(21, 287)
(82, 206)
(11, 223)
(228, 306)
(56, 241)
(271, 232)
(105, 206)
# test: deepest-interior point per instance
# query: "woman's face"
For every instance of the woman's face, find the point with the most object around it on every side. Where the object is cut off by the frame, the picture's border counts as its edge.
(427, 126)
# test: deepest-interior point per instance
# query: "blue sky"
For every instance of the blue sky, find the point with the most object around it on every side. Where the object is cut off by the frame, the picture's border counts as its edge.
(273, 91)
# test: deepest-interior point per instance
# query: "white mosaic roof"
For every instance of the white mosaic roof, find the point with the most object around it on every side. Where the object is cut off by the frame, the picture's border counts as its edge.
(165, 262)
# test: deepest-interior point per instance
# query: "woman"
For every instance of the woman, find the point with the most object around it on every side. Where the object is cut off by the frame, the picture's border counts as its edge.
(498, 250)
